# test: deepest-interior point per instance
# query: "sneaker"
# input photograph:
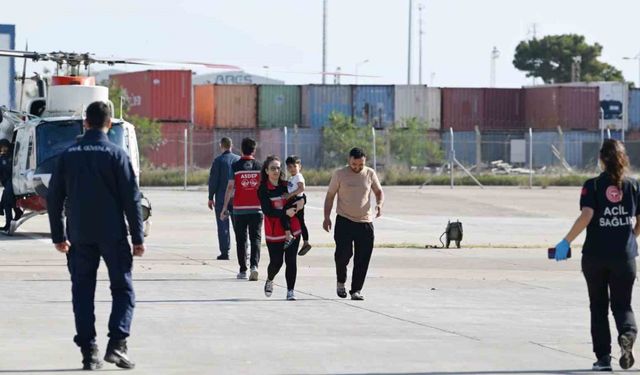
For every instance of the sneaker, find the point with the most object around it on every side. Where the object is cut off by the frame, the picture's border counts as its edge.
(305, 249)
(291, 295)
(626, 358)
(253, 276)
(91, 358)
(223, 257)
(117, 354)
(341, 290)
(268, 288)
(242, 275)
(356, 296)
(603, 364)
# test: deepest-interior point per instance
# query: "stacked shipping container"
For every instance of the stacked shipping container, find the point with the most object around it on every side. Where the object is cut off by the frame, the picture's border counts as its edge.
(489, 109)
(418, 102)
(572, 108)
(226, 106)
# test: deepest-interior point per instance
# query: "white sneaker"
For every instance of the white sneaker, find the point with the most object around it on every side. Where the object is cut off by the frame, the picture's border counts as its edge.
(241, 275)
(291, 295)
(356, 296)
(253, 276)
(268, 288)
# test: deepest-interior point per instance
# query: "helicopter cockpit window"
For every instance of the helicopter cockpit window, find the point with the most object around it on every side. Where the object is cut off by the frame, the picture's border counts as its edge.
(30, 153)
(117, 135)
(54, 137)
(16, 150)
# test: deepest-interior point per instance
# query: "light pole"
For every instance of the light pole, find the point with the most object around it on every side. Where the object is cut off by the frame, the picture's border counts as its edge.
(266, 71)
(358, 65)
(325, 6)
(637, 57)
(495, 54)
(420, 34)
(410, 32)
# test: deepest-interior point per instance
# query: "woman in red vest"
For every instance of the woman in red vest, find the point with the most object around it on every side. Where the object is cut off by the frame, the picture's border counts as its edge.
(273, 186)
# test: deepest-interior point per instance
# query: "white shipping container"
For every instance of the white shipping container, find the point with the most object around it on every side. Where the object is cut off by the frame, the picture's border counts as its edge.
(418, 101)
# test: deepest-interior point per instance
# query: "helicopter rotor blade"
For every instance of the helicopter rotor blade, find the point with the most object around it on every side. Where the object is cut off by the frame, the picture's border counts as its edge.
(20, 54)
(174, 62)
(24, 73)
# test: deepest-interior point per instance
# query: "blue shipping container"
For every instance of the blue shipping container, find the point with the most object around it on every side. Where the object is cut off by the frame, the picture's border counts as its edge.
(374, 105)
(634, 109)
(542, 150)
(464, 144)
(497, 145)
(319, 101)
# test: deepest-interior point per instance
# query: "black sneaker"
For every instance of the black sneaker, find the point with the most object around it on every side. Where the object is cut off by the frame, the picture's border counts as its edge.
(603, 364)
(223, 257)
(91, 358)
(305, 249)
(117, 354)
(341, 291)
(626, 344)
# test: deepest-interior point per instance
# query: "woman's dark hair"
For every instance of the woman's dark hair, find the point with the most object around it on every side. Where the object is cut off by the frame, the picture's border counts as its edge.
(613, 156)
(264, 175)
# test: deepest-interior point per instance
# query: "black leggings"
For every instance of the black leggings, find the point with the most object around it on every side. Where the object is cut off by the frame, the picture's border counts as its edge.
(610, 283)
(303, 226)
(276, 254)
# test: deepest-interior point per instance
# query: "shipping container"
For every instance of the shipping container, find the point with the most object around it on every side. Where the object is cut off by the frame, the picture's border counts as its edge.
(236, 106)
(462, 109)
(374, 105)
(497, 145)
(278, 106)
(319, 101)
(542, 148)
(204, 147)
(634, 109)
(163, 95)
(304, 143)
(572, 108)
(170, 152)
(419, 102)
(504, 109)
(204, 106)
(464, 144)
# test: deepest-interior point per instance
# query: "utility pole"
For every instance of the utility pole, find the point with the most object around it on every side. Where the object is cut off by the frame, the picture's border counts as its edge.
(420, 8)
(575, 69)
(494, 56)
(324, 41)
(637, 57)
(410, 32)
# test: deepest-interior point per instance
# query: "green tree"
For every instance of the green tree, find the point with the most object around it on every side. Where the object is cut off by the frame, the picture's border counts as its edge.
(412, 146)
(343, 135)
(551, 59)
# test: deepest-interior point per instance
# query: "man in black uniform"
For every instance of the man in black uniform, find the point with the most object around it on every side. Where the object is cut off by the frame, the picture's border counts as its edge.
(94, 183)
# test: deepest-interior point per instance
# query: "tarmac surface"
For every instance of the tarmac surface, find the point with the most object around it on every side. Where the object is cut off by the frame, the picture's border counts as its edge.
(496, 306)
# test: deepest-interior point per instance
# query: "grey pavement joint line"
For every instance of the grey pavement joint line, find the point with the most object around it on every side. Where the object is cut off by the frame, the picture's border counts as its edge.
(558, 350)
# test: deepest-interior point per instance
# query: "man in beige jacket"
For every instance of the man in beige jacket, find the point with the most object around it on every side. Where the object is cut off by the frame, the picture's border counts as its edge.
(353, 185)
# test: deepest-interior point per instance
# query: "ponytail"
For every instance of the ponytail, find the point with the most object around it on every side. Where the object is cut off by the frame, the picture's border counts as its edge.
(615, 161)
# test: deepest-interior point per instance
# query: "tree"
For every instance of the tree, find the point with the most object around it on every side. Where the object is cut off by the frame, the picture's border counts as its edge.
(343, 135)
(411, 144)
(551, 58)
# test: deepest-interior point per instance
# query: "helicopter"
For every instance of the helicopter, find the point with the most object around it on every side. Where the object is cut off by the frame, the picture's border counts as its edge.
(53, 121)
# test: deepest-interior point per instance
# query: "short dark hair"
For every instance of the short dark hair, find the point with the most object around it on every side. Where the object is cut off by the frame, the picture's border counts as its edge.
(292, 160)
(97, 114)
(226, 142)
(248, 146)
(357, 153)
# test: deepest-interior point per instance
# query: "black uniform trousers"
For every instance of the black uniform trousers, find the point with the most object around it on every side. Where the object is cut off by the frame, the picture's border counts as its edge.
(251, 224)
(347, 235)
(610, 282)
(276, 254)
(83, 261)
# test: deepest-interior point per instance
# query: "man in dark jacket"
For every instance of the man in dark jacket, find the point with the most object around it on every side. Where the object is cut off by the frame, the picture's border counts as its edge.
(94, 180)
(219, 176)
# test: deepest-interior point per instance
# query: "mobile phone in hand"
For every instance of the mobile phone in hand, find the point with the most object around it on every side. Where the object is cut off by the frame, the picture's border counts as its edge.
(552, 253)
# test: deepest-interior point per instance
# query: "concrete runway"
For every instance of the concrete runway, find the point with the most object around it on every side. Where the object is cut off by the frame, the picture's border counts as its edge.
(497, 306)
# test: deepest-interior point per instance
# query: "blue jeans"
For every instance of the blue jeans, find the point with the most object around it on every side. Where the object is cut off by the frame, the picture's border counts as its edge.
(83, 261)
(224, 235)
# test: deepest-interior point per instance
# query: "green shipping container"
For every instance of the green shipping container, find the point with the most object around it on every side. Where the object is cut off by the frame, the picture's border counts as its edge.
(278, 106)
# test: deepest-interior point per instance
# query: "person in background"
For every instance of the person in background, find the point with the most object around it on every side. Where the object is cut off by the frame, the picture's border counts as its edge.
(273, 187)
(608, 204)
(219, 175)
(7, 202)
(353, 185)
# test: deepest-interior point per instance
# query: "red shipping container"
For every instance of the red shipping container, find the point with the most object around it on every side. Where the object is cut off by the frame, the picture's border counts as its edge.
(204, 106)
(490, 109)
(572, 108)
(163, 95)
(205, 147)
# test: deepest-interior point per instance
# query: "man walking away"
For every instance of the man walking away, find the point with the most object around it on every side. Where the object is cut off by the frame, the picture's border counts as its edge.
(247, 213)
(219, 176)
(94, 183)
(353, 185)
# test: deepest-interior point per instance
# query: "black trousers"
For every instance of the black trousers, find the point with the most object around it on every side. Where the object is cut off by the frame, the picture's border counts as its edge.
(248, 225)
(276, 254)
(83, 261)
(347, 235)
(610, 283)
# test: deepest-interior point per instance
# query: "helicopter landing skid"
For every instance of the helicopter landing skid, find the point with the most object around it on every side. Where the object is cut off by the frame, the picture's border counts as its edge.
(15, 224)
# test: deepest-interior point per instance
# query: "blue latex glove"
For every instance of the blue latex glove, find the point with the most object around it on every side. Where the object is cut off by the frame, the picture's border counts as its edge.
(562, 250)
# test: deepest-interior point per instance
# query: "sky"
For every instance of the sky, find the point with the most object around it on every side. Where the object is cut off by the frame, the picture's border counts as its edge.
(286, 35)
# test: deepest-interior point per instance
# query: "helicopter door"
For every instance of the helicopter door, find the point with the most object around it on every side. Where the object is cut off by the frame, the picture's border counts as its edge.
(132, 147)
(23, 162)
